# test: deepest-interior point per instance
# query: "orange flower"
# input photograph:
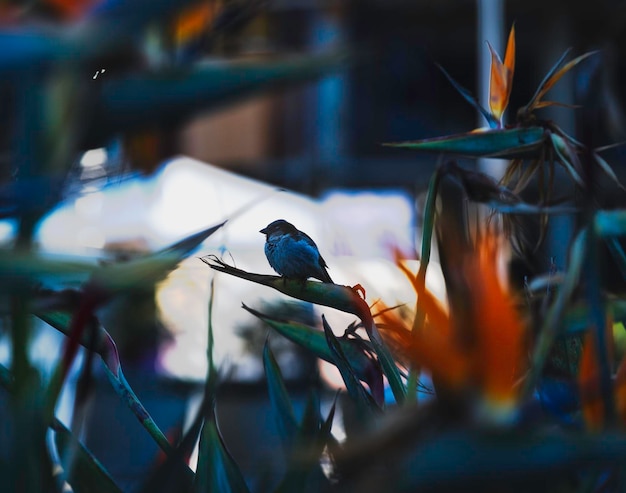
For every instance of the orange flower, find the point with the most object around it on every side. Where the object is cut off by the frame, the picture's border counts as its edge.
(592, 402)
(479, 348)
(501, 78)
(193, 21)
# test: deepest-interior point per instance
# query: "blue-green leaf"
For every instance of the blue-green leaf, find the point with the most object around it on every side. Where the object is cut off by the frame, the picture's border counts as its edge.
(134, 101)
(83, 471)
(491, 120)
(217, 470)
(507, 143)
(362, 398)
(281, 405)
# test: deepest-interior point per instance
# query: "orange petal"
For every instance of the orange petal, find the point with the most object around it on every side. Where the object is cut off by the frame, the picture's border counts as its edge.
(509, 57)
(427, 302)
(589, 379)
(500, 348)
(589, 385)
(431, 349)
(554, 77)
(498, 92)
(192, 22)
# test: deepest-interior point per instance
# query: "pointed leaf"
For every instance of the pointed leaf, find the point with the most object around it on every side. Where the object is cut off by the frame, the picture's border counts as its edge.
(491, 120)
(389, 368)
(281, 404)
(618, 255)
(610, 223)
(343, 298)
(553, 76)
(107, 350)
(104, 344)
(361, 397)
(148, 269)
(526, 176)
(540, 90)
(507, 143)
(314, 340)
(16, 265)
(217, 470)
(311, 418)
(606, 167)
(567, 158)
(304, 472)
(546, 104)
(128, 396)
(551, 324)
(173, 94)
(85, 473)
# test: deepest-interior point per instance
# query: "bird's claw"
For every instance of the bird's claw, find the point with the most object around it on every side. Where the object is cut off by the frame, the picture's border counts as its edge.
(359, 290)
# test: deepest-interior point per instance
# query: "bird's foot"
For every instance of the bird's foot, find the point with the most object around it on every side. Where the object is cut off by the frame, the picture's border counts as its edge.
(359, 290)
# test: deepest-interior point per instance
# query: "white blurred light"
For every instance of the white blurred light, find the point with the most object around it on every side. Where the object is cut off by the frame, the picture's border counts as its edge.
(371, 224)
(7, 230)
(91, 237)
(89, 205)
(94, 158)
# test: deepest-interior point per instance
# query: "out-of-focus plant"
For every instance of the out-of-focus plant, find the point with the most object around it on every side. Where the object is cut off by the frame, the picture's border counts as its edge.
(497, 420)
(500, 418)
(79, 75)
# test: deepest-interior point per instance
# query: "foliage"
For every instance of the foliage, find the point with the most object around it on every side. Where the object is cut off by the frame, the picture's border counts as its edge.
(154, 80)
(498, 420)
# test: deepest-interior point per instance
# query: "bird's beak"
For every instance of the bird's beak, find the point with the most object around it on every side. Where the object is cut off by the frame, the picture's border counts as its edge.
(264, 231)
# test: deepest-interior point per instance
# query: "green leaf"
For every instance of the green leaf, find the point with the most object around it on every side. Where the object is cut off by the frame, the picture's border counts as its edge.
(363, 400)
(618, 254)
(172, 95)
(281, 404)
(568, 158)
(576, 318)
(610, 223)
(217, 470)
(83, 471)
(103, 343)
(304, 472)
(508, 143)
(552, 77)
(491, 120)
(343, 298)
(303, 469)
(606, 167)
(16, 266)
(389, 368)
(541, 89)
(107, 350)
(148, 269)
(551, 326)
(314, 341)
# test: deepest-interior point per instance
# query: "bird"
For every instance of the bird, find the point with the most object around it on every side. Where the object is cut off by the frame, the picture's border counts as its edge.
(292, 253)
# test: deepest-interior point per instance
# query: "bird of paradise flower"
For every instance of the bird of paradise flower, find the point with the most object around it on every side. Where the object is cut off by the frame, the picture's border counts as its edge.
(477, 349)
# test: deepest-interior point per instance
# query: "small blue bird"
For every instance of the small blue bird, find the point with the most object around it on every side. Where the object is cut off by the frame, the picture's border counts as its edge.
(292, 253)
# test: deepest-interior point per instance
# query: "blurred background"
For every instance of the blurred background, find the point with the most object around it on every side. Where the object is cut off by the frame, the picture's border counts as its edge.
(310, 153)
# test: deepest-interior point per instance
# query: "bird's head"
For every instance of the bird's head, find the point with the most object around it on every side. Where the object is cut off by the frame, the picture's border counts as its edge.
(280, 226)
